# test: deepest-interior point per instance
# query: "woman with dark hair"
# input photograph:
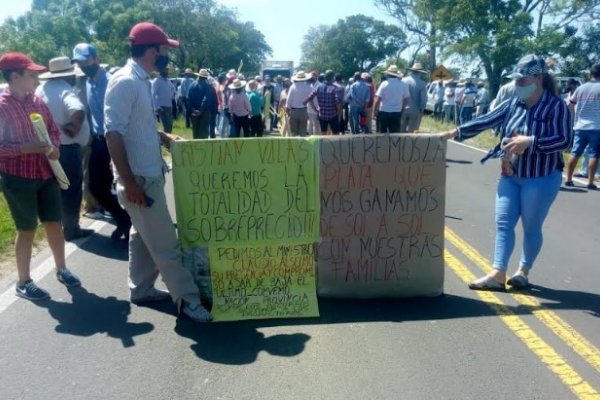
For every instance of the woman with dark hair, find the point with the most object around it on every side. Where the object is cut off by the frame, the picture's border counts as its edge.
(535, 128)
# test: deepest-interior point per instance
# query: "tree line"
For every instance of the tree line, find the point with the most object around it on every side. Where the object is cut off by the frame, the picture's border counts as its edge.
(210, 34)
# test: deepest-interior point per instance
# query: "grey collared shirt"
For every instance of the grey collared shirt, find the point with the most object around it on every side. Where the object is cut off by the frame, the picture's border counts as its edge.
(129, 110)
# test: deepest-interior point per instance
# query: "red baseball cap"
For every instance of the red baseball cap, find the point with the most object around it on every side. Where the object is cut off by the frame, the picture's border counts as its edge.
(15, 60)
(148, 33)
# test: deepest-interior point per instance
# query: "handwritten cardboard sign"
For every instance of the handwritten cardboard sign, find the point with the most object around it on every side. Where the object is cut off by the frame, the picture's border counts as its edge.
(382, 216)
(248, 217)
(252, 191)
(272, 281)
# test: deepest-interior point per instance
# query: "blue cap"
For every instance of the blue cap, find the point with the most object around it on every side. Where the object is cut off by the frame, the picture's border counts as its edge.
(83, 51)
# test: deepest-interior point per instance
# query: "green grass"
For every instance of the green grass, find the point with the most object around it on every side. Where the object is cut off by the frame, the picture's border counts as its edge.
(7, 227)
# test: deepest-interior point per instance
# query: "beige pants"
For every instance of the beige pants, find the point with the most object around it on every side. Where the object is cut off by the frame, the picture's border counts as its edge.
(154, 248)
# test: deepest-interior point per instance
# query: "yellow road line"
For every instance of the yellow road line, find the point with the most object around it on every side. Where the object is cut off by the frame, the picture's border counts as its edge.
(567, 374)
(579, 344)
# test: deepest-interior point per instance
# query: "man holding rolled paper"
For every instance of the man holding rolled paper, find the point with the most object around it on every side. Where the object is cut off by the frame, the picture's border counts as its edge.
(28, 182)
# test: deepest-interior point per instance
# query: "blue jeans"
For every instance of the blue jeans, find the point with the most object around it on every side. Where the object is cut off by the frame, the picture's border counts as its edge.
(224, 123)
(528, 199)
(355, 118)
(466, 114)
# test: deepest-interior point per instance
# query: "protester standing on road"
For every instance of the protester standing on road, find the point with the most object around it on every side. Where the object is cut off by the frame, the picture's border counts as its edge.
(201, 100)
(239, 109)
(390, 100)
(100, 171)
(328, 104)
(535, 129)
(412, 114)
(134, 145)
(294, 105)
(163, 91)
(68, 113)
(585, 104)
(28, 183)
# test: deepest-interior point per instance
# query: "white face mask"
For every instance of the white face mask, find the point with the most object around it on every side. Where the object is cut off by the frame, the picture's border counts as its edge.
(524, 92)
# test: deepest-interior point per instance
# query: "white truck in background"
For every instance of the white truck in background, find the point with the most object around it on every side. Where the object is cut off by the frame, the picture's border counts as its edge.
(276, 67)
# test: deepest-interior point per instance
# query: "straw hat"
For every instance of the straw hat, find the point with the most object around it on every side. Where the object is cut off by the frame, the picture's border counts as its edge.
(417, 67)
(237, 84)
(188, 71)
(301, 76)
(203, 73)
(60, 67)
(393, 71)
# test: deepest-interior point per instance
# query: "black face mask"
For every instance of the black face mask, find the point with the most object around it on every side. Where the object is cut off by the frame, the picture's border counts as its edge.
(161, 62)
(90, 70)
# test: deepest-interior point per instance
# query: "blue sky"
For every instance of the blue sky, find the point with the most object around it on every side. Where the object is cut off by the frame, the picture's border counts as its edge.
(283, 22)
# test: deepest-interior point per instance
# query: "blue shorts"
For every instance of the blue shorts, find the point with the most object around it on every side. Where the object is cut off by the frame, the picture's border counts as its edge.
(585, 138)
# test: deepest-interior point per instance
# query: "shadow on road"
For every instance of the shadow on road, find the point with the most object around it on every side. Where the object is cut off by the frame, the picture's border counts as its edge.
(567, 299)
(89, 314)
(449, 160)
(103, 246)
(240, 342)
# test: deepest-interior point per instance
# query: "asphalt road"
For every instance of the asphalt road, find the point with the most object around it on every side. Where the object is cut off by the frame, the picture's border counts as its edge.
(91, 343)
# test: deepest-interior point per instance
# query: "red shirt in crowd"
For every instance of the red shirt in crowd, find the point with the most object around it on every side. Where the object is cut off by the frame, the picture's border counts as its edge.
(16, 129)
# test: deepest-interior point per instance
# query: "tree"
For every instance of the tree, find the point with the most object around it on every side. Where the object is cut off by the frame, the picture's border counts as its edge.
(210, 34)
(420, 20)
(494, 33)
(357, 43)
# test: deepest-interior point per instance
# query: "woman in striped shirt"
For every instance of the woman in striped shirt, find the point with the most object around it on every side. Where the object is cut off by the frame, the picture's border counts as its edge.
(535, 128)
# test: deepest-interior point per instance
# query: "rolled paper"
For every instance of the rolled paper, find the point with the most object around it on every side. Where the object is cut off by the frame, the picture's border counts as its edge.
(42, 133)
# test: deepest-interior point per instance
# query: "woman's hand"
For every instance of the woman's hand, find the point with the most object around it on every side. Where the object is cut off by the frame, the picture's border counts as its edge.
(451, 134)
(518, 144)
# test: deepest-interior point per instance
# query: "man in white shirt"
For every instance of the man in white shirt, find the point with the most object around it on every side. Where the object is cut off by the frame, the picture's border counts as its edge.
(69, 114)
(391, 99)
(163, 91)
(134, 145)
(411, 117)
(295, 107)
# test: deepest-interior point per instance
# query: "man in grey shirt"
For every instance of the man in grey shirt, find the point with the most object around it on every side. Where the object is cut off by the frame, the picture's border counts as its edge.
(134, 144)
(411, 116)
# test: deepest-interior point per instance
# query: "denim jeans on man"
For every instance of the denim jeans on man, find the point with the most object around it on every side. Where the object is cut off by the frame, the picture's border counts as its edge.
(355, 112)
(528, 199)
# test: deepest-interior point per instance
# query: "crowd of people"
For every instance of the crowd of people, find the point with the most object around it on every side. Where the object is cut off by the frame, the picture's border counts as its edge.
(102, 128)
(227, 105)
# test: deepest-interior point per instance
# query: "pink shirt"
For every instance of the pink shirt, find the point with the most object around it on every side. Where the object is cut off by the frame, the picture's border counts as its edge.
(239, 105)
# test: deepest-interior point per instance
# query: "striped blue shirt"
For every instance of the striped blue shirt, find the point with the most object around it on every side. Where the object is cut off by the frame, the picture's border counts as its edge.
(548, 121)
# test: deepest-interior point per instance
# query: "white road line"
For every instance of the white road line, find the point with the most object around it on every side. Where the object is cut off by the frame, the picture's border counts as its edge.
(45, 267)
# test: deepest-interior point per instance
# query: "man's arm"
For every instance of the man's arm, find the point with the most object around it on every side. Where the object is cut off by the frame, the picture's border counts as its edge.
(73, 127)
(133, 192)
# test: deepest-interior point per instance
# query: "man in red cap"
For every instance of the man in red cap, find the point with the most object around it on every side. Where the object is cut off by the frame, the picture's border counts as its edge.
(134, 145)
(28, 182)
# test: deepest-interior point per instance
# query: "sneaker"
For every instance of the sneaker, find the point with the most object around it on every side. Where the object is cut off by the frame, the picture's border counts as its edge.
(151, 296)
(67, 278)
(78, 234)
(197, 313)
(591, 186)
(569, 184)
(31, 291)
